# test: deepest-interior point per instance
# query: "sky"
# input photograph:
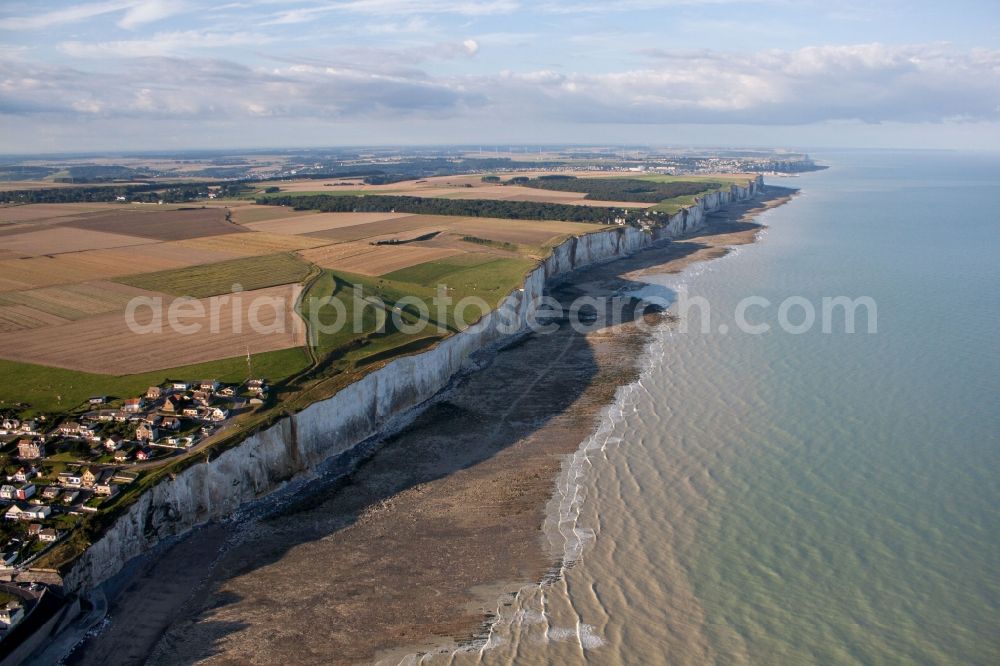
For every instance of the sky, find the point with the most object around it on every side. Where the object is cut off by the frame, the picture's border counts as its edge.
(116, 75)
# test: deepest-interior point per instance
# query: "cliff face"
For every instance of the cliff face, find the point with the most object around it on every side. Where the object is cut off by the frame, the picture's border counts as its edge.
(295, 445)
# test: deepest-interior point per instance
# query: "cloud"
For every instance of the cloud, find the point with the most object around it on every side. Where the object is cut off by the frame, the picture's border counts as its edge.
(396, 8)
(63, 16)
(165, 43)
(871, 83)
(136, 14)
(150, 11)
(158, 88)
(868, 82)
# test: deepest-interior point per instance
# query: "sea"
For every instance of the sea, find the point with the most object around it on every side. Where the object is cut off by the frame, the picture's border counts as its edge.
(804, 495)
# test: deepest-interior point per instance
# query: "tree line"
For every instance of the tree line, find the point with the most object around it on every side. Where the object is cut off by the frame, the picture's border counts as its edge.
(619, 189)
(515, 210)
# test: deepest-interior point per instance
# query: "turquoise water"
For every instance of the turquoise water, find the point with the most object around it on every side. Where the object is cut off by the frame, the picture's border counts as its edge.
(812, 498)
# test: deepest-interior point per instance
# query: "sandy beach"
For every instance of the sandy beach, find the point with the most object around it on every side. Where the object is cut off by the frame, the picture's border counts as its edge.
(412, 551)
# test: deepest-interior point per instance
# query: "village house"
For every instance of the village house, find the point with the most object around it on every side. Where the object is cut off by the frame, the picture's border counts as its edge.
(51, 493)
(218, 414)
(69, 496)
(154, 393)
(69, 429)
(10, 424)
(98, 400)
(26, 491)
(133, 405)
(146, 433)
(30, 449)
(8, 492)
(29, 427)
(256, 386)
(122, 455)
(25, 474)
(88, 478)
(209, 385)
(227, 391)
(25, 512)
(71, 479)
(170, 423)
(179, 386)
(144, 454)
(191, 411)
(34, 529)
(106, 489)
(114, 442)
(173, 404)
(49, 535)
(201, 397)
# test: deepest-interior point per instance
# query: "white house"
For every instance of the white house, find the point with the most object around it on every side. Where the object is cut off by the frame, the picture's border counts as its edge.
(40, 512)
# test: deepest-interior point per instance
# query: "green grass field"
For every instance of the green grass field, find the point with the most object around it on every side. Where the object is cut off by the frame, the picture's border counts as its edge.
(49, 389)
(477, 274)
(218, 278)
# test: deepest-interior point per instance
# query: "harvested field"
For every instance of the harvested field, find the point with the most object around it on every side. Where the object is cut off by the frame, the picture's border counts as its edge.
(105, 344)
(34, 212)
(526, 232)
(529, 232)
(160, 225)
(19, 274)
(21, 317)
(14, 185)
(253, 244)
(387, 228)
(45, 271)
(366, 259)
(59, 240)
(254, 213)
(304, 224)
(219, 278)
(159, 256)
(75, 301)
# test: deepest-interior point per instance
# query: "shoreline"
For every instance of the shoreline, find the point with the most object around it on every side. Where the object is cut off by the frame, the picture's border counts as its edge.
(403, 554)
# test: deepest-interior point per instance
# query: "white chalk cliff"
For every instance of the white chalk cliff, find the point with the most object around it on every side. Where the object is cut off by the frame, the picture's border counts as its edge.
(294, 445)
